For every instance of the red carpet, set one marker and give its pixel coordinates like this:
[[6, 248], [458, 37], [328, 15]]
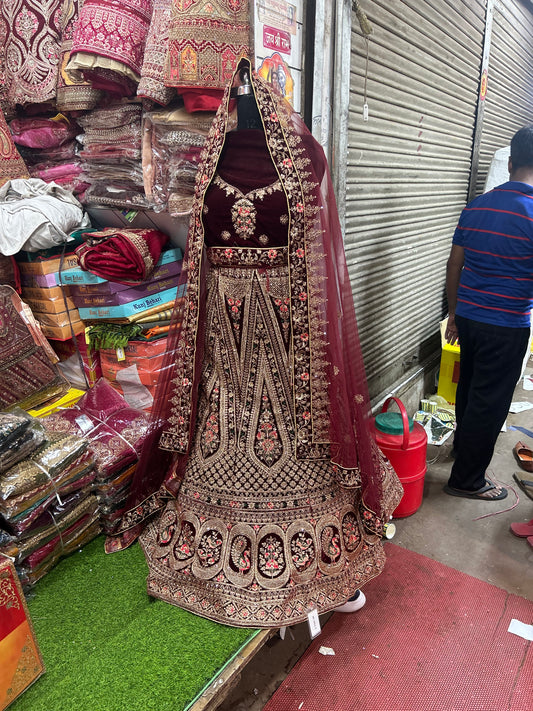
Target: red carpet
[[429, 639]]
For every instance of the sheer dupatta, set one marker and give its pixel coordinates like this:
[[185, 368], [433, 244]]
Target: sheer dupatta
[[331, 406]]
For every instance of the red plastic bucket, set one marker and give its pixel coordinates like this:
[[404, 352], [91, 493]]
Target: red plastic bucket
[[404, 443]]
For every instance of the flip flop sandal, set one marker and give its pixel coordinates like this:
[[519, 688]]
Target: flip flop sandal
[[478, 493], [526, 486], [524, 456]]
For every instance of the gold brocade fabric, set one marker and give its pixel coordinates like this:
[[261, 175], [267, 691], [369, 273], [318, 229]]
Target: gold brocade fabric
[[206, 40], [255, 536]]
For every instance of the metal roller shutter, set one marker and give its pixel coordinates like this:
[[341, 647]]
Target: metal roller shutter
[[408, 171], [509, 99]]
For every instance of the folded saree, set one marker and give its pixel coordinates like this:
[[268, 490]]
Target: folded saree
[[122, 255], [115, 431], [22, 446], [39, 132], [22, 524], [36, 565], [57, 525]]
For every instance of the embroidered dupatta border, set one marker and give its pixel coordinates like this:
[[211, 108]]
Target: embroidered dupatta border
[[308, 347]]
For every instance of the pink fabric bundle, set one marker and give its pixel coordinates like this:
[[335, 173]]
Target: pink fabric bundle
[[114, 430], [42, 132], [114, 35]]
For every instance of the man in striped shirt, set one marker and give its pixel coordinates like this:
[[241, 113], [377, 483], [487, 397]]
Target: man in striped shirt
[[489, 285]]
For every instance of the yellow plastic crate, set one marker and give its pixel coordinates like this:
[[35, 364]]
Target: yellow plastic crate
[[449, 372]]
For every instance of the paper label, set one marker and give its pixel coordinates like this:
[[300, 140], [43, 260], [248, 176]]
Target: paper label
[[314, 623], [84, 423]]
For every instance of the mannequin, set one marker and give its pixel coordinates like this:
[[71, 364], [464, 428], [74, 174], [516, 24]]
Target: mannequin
[[247, 112]]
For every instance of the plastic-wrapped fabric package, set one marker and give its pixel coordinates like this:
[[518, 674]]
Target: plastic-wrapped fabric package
[[115, 432], [41, 561], [47, 501], [20, 436], [172, 143], [111, 156], [21, 548], [20, 524]]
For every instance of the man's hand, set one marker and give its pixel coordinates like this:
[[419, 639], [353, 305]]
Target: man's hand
[[451, 334]]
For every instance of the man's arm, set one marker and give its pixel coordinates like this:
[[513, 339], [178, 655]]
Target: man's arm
[[454, 267]]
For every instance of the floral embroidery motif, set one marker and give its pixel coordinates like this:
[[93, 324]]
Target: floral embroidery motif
[[244, 216], [184, 547], [302, 551], [210, 548], [271, 557], [350, 532], [268, 447], [210, 441]]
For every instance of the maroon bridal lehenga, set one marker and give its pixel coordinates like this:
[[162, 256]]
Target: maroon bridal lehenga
[[273, 496]]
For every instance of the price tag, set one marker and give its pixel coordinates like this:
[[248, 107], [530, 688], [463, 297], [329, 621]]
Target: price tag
[[120, 354], [314, 623]]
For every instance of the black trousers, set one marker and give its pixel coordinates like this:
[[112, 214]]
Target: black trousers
[[491, 363]]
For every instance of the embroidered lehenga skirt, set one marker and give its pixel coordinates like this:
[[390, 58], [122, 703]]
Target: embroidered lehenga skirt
[[256, 537]]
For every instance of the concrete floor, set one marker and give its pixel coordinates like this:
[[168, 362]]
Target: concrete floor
[[443, 529]]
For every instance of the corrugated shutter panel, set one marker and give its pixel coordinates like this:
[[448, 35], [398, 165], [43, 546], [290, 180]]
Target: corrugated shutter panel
[[408, 171], [509, 99]]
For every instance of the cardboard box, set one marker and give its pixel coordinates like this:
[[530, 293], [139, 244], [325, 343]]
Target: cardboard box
[[41, 293], [123, 312], [61, 319], [41, 281], [62, 333], [125, 296], [164, 271], [48, 265], [131, 373], [22, 663], [137, 349], [111, 361], [55, 305]]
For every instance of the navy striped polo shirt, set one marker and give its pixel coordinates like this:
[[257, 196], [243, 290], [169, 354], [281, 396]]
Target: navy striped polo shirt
[[496, 232]]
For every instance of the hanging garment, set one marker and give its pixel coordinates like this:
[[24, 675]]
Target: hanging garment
[[206, 41], [275, 494], [74, 93], [28, 374], [31, 50], [152, 84], [108, 44]]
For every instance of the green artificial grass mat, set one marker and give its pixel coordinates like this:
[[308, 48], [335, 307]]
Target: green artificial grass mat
[[108, 646]]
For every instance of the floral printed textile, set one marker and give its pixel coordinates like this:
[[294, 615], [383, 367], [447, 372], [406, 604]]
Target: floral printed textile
[[206, 40], [113, 31], [31, 50]]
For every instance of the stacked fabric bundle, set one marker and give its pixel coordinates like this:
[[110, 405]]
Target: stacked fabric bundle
[[47, 508], [111, 156], [172, 143], [50, 150], [115, 433]]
